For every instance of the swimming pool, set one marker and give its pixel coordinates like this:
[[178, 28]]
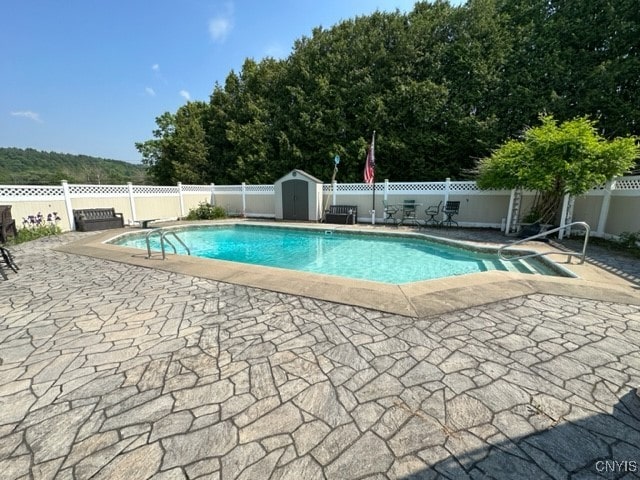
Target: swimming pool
[[385, 258]]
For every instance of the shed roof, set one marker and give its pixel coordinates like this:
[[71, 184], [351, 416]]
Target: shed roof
[[297, 173]]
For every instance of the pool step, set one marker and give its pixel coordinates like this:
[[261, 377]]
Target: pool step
[[525, 267], [519, 266]]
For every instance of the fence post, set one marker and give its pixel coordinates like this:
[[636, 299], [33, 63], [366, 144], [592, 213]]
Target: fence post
[[181, 199], [213, 195], [447, 187], [334, 189], [507, 228], [563, 217], [386, 189], [67, 204], [132, 202], [244, 199], [604, 208]]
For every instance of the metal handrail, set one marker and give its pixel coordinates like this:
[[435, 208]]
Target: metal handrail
[[550, 252], [163, 239], [147, 237]]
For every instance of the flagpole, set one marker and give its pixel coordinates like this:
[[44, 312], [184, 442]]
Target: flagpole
[[373, 203]]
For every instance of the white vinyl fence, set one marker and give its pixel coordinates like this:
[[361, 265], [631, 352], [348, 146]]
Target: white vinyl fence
[[609, 210]]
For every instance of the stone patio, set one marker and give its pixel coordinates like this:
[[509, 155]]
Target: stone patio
[[110, 370]]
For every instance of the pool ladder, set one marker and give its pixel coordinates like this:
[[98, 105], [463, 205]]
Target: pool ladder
[[163, 239], [580, 255]]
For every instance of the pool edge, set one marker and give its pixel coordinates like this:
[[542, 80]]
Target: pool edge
[[419, 299]]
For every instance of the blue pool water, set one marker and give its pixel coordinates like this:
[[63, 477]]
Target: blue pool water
[[381, 258]]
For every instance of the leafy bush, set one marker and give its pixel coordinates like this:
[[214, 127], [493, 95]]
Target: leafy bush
[[206, 211]]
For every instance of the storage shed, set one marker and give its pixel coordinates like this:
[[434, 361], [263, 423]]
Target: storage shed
[[298, 196]]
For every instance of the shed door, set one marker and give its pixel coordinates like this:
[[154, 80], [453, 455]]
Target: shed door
[[295, 200]]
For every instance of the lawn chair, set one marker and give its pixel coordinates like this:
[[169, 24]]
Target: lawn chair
[[432, 211], [389, 212], [450, 209]]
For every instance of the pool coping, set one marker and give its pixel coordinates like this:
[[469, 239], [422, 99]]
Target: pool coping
[[418, 299]]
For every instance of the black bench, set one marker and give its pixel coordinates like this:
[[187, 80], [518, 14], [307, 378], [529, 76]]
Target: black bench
[[342, 214], [91, 219]]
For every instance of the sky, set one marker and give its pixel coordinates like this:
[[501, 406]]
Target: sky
[[90, 76]]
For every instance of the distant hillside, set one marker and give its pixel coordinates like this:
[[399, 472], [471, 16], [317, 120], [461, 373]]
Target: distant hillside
[[32, 167]]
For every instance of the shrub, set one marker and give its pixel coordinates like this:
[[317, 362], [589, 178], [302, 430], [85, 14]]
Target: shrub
[[36, 226], [206, 211]]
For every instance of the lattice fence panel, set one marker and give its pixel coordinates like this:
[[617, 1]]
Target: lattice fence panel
[[228, 189], [352, 187], [155, 190], [31, 192], [628, 183], [463, 187], [259, 189], [98, 190], [414, 187], [196, 188]]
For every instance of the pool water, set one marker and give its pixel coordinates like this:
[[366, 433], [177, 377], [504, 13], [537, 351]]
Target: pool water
[[381, 258]]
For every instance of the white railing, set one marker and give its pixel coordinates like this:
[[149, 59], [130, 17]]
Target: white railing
[[581, 255]]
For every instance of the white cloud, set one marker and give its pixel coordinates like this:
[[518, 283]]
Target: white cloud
[[155, 67], [28, 114], [219, 28], [221, 25], [185, 95], [150, 91]]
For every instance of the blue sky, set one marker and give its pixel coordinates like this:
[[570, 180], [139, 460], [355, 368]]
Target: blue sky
[[90, 76]]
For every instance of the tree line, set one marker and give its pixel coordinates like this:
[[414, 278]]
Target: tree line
[[33, 167], [443, 86]]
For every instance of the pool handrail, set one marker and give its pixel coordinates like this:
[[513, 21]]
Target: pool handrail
[[569, 254], [163, 234]]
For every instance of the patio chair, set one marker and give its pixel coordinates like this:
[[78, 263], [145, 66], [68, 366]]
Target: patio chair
[[409, 212], [432, 211], [5, 256], [389, 212], [450, 209]]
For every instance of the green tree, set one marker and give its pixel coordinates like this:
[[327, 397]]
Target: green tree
[[555, 160], [178, 153], [441, 85], [156, 153], [33, 167], [572, 58]]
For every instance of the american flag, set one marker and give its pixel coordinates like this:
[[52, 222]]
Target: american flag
[[370, 165]]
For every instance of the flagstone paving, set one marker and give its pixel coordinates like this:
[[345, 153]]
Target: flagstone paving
[[112, 371]]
